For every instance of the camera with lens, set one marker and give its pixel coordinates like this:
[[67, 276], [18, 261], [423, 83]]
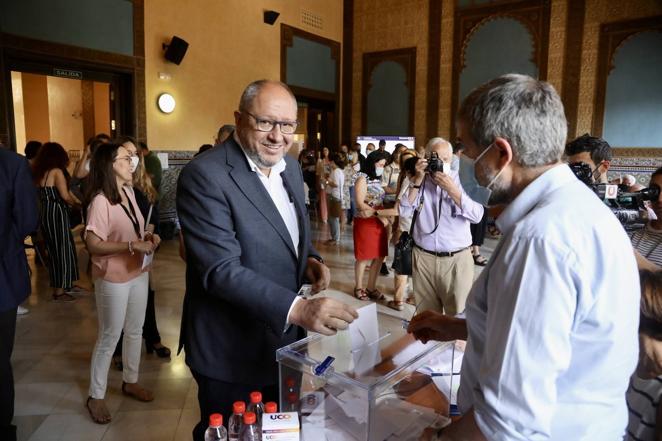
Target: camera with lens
[[628, 207], [434, 164]]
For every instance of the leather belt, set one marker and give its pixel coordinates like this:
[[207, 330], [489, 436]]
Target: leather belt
[[442, 253]]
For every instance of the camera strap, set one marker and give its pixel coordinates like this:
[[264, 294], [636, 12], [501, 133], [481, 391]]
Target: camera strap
[[131, 215], [438, 217]]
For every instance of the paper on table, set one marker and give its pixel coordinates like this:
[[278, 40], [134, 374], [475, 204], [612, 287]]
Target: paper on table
[[147, 260]]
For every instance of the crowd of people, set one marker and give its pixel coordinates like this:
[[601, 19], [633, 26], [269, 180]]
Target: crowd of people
[[555, 323]]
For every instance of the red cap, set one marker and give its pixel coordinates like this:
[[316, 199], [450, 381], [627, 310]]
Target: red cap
[[271, 407], [292, 397], [256, 397], [289, 382], [249, 418], [215, 420], [239, 407]]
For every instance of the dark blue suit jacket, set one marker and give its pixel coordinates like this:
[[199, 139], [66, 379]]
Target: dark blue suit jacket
[[18, 218], [242, 271]]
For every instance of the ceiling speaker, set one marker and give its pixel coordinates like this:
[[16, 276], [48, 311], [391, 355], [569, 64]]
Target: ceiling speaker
[[176, 50]]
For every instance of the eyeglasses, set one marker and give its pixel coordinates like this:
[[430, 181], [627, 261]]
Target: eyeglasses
[[265, 125], [123, 158]]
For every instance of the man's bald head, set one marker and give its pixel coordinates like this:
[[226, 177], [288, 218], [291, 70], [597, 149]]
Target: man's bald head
[[256, 87], [441, 147]]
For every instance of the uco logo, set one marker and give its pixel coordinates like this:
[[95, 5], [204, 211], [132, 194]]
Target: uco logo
[[280, 416]]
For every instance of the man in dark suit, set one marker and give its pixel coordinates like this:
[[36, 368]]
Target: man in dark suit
[[18, 211], [248, 248]]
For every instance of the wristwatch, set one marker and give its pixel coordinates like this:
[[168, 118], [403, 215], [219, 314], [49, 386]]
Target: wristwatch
[[414, 186]]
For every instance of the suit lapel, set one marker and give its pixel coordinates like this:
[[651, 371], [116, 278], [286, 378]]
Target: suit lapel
[[249, 184], [292, 177]]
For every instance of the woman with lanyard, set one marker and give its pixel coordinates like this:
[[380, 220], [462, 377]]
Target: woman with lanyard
[[147, 199], [115, 238]]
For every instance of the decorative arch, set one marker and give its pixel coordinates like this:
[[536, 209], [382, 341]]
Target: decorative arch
[[533, 14], [404, 57], [612, 37]]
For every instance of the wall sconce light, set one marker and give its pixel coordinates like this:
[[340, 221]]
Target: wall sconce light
[[166, 103]]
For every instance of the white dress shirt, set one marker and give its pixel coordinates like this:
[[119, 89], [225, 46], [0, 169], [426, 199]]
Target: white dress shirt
[[278, 193], [553, 319]]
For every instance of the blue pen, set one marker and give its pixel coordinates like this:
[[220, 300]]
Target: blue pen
[[323, 366]]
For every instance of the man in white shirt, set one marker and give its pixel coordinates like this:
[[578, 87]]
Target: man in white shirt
[[552, 320]]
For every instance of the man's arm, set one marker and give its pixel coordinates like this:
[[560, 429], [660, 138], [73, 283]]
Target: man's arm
[[25, 213], [465, 429]]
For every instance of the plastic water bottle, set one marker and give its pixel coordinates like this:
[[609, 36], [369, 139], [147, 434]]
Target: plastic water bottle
[[270, 407], [216, 431], [250, 431], [256, 406], [236, 420]]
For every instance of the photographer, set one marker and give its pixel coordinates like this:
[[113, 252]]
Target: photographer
[[443, 268], [593, 151], [647, 242]]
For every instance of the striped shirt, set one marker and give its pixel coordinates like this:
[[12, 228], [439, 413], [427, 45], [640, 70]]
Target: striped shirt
[[643, 398], [648, 241]]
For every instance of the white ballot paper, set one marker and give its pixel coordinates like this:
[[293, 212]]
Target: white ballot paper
[[147, 260], [364, 337]]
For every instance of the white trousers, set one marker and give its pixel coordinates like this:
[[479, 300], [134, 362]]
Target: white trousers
[[119, 306]]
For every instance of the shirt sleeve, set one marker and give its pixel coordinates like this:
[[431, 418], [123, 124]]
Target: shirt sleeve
[[98, 217], [528, 343], [469, 209], [407, 208]]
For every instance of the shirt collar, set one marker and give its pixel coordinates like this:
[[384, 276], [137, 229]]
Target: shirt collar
[[279, 167], [551, 180]]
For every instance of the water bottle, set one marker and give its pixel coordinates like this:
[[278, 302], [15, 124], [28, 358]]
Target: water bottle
[[250, 431], [236, 420], [256, 407], [216, 431], [270, 407]]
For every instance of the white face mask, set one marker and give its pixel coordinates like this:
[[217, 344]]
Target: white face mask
[[134, 163], [473, 162], [350, 156], [379, 171]]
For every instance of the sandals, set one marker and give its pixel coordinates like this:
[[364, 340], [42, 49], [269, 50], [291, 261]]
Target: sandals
[[398, 305], [479, 260], [374, 294], [63, 298], [102, 417], [360, 294], [140, 394]]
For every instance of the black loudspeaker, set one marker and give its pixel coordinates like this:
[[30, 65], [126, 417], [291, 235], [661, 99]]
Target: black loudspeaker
[[270, 17], [176, 50]]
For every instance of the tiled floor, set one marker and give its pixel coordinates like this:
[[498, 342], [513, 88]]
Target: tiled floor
[[54, 343]]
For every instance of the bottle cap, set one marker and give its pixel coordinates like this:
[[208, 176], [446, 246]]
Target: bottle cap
[[289, 382], [215, 420], [292, 397], [271, 407], [256, 397], [249, 418], [239, 407]]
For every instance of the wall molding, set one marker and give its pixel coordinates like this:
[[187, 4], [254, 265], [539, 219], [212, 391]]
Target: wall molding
[[612, 36], [406, 57], [533, 14], [434, 68]]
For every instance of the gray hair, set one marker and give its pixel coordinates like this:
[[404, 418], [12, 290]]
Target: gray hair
[[525, 111], [253, 89], [437, 140]]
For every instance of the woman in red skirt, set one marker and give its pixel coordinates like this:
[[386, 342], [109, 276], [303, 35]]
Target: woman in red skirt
[[370, 225]]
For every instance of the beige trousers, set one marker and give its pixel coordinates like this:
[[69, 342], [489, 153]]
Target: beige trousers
[[442, 284]]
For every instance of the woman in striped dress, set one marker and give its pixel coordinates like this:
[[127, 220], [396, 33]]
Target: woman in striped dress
[[50, 175]]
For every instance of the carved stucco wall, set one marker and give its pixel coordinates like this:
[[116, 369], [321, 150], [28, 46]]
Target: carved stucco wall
[[384, 25], [446, 70], [557, 32], [597, 13]]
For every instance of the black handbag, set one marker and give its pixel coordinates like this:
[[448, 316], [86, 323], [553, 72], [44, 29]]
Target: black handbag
[[402, 256]]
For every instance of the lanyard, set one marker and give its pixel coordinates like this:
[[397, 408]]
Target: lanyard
[[132, 215]]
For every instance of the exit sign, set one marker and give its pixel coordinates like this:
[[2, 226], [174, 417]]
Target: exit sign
[[66, 73]]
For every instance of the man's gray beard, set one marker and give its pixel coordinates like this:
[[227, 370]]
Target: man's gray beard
[[257, 159]]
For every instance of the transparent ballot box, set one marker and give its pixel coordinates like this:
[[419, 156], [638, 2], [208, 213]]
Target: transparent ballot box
[[386, 387]]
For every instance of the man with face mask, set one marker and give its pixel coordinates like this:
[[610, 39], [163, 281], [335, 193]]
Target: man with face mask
[[442, 266], [552, 320]]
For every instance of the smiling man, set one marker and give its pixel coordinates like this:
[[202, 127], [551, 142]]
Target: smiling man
[[248, 248]]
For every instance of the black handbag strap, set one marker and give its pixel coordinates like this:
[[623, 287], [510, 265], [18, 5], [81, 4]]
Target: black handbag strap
[[418, 208]]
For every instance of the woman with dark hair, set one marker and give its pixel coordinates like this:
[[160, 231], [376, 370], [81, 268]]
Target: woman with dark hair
[[115, 237], [49, 171], [370, 223], [147, 199]]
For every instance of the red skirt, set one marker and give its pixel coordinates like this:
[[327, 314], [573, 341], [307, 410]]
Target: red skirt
[[370, 238]]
